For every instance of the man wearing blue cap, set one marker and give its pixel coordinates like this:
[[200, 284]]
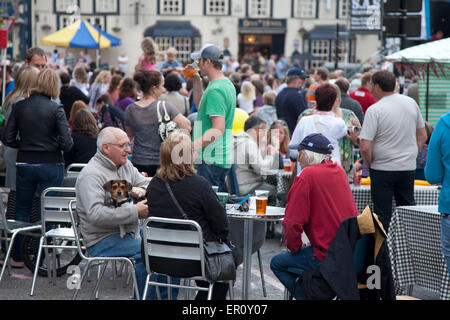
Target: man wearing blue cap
[[289, 102], [318, 201], [213, 140]]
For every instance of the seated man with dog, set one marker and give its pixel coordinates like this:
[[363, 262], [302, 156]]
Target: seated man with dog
[[319, 200], [108, 216]]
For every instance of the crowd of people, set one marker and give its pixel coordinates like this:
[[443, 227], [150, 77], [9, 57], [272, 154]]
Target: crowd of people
[[244, 118]]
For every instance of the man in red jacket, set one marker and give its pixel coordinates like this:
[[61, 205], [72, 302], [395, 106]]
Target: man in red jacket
[[363, 94], [319, 200]]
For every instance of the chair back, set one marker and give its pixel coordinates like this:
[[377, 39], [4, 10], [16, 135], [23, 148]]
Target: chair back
[[74, 169], [55, 205], [172, 242], [75, 219]]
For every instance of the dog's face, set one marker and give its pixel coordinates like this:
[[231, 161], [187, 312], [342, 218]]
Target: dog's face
[[118, 189]]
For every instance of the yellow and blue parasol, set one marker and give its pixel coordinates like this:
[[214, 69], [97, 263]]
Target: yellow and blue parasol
[[81, 34]]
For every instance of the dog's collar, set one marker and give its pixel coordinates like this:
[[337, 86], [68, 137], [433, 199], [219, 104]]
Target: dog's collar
[[121, 202]]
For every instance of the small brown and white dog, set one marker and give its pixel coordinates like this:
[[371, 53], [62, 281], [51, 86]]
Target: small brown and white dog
[[119, 191]]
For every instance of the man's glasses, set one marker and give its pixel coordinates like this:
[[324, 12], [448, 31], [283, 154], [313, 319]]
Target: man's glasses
[[122, 146]]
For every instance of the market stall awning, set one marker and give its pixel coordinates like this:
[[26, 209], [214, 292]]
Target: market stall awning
[[328, 32], [182, 29], [435, 51], [81, 34]]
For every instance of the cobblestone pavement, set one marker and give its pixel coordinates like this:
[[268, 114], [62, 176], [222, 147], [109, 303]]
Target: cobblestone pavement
[[17, 285]]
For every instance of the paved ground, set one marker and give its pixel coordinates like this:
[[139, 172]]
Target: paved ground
[[17, 286]]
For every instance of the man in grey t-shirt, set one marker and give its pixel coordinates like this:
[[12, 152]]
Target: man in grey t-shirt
[[392, 134]]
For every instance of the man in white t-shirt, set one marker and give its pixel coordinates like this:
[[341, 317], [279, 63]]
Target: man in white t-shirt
[[122, 62], [392, 134], [322, 121]]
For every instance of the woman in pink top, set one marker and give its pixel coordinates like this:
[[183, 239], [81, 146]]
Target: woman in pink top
[[147, 61]]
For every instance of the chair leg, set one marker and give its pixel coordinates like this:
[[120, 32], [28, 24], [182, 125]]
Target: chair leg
[[169, 289], [83, 276], [36, 268], [147, 279], [262, 274], [8, 253], [210, 290], [97, 284], [114, 273]]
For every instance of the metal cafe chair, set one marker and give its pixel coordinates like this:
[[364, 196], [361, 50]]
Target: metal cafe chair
[[166, 247], [56, 233], [74, 169], [9, 229], [95, 261]]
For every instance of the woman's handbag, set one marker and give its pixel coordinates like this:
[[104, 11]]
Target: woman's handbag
[[166, 126], [219, 260]]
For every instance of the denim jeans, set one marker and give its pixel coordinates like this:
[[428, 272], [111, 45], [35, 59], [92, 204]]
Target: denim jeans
[[445, 239], [214, 174], [128, 246], [384, 185], [288, 266], [29, 178]]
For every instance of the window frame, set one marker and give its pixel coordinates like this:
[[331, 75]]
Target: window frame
[[227, 11], [248, 10], [161, 7], [295, 4]]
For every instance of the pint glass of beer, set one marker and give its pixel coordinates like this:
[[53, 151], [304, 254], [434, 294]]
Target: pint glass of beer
[[261, 201], [287, 165], [190, 71]]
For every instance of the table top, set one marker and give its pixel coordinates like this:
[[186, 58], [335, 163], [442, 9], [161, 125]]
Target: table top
[[426, 209], [416, 188], [271, 213]]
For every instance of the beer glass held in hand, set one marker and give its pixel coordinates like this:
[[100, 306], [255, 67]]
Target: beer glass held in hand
[[190, 70]]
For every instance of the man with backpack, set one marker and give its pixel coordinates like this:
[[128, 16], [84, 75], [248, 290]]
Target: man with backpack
[[109, 115]]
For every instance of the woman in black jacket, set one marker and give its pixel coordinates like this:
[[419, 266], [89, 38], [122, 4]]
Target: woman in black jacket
[[195, 196], [38, 128]]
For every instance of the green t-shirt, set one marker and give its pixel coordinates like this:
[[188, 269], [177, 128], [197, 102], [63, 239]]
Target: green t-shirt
[[219, 99]]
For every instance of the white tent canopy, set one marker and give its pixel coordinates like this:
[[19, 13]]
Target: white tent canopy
[[436, 51]]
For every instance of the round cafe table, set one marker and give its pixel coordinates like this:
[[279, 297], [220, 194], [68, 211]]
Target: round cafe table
[[272, 214]]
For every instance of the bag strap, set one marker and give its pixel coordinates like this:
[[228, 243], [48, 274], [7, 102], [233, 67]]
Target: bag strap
[[318, 125], [166, 115], [175, 201], [157, 112]]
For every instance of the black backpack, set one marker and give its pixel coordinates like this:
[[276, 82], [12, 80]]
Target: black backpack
[[108, 120]]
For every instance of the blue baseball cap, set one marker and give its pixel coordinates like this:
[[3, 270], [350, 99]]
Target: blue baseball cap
[[315, 142], [297, 72]]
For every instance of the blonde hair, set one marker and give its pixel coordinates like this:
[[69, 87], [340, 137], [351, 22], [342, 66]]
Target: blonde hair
[[25, 80], [80, 75], [248, 91], [269, 97], [47, 83], [172, 51], [284, 146], [176, 157], [102, 76], [149, 47]]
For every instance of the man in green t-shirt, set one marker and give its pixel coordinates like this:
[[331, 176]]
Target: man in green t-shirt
[[213, 140]]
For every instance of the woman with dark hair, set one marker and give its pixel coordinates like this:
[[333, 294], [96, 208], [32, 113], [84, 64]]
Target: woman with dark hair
[[77, 105], [38, 127], [84, 135], [127, 93], [196, 198], [113, 89], [323, 121], [259, 91], [173, 86], [141, 121]]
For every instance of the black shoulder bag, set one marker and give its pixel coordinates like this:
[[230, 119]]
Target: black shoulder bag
[[219, 260]]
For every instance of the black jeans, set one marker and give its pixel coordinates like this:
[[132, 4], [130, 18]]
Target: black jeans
[[384, 185]]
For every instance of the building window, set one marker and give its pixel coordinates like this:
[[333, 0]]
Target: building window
[[64, 5], [342, 50], [65, 20], [106, 6], [217, 7], [321, 50], [345, 8], [183, 46], [259, 8], [171, 7], [305, 8], [163, 44]]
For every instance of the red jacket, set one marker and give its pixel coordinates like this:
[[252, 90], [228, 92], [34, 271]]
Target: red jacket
[[364, 97], [318, 201]]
